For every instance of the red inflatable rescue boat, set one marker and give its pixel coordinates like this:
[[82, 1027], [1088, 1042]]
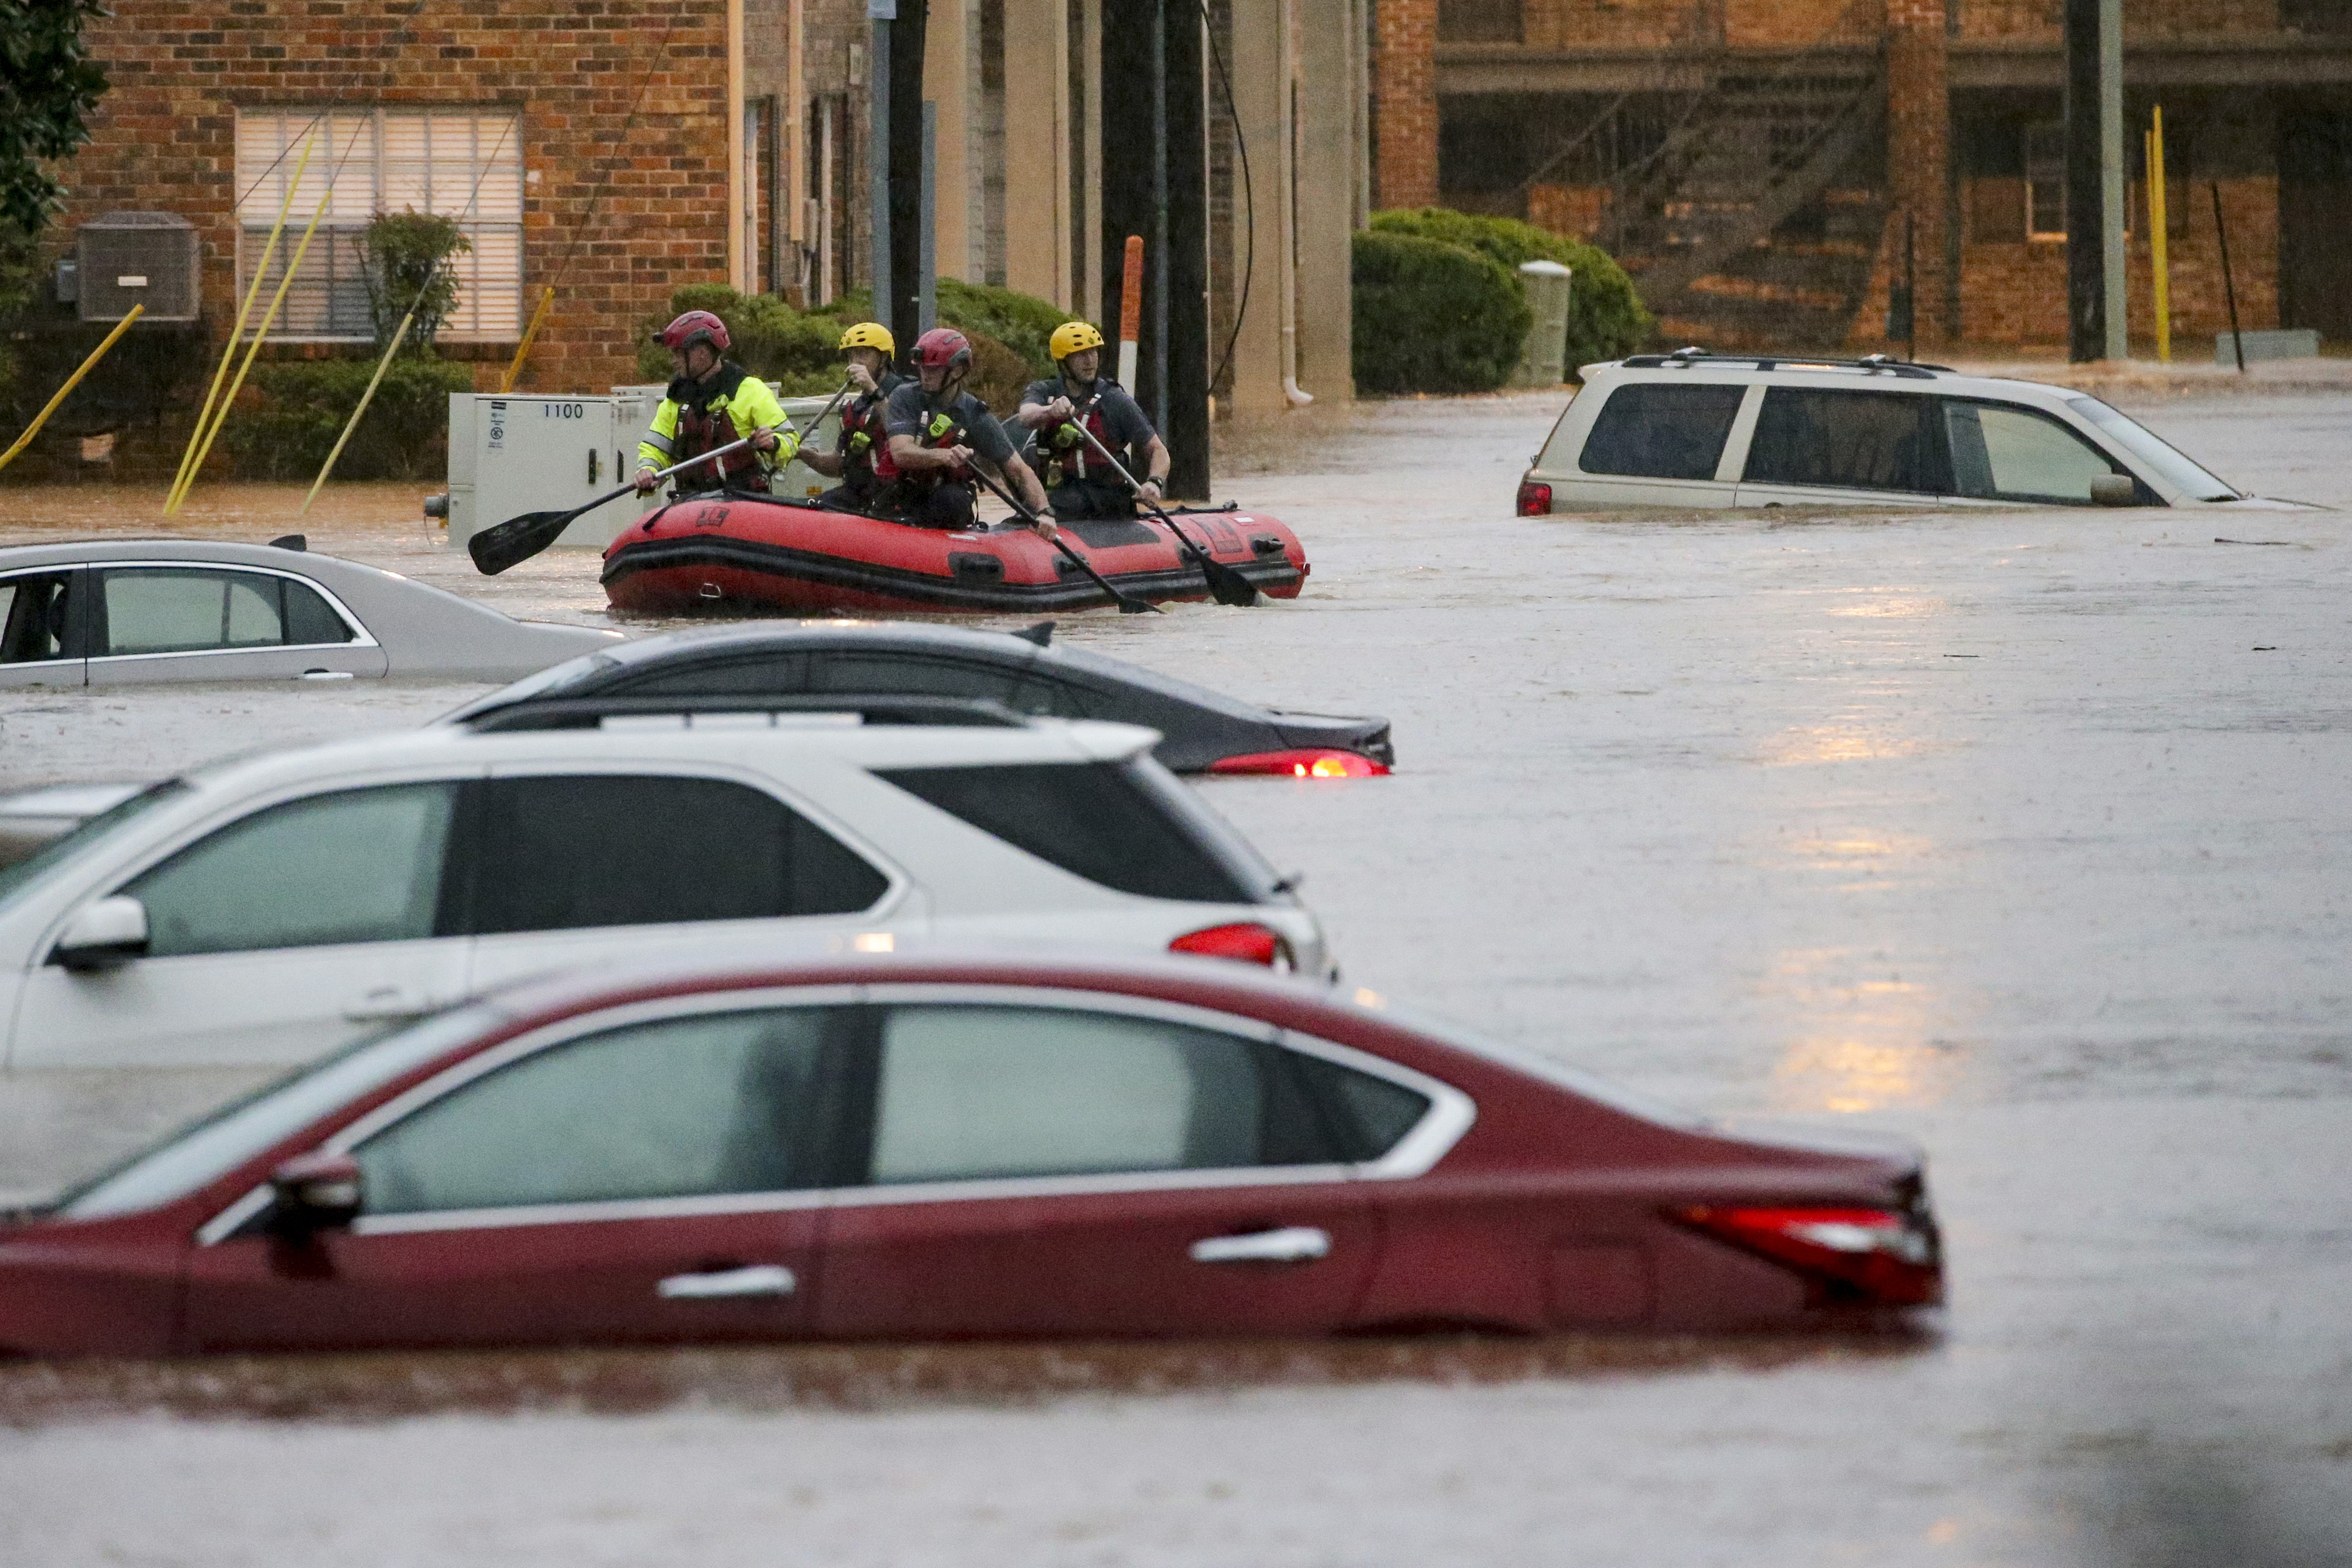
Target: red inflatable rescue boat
[[715, 551]]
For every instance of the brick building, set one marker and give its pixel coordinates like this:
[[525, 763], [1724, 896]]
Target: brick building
[[1760, 162]]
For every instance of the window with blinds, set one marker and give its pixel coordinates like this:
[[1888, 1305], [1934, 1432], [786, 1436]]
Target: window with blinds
[[462, 164]]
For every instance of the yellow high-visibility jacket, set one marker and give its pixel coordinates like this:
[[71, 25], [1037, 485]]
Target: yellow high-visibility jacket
[[698, 416]]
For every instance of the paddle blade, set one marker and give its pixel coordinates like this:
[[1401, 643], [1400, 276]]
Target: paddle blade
[[1227, 585], [516, 540]]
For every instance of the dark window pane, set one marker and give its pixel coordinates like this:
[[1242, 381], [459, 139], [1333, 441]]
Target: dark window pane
[[1057, 698], [1367, 1115], [1848, 440], [360, 865], [1479, 21], [771, 675], [561, 852], [972, 1093], [1092, 819], [912, 675], [32, 617], [308, 617], [681, 1108], [1662, 432]]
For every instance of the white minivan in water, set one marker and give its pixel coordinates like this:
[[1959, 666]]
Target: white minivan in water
[[1694, 429]]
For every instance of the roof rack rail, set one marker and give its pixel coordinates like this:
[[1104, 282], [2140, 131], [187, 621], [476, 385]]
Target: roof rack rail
[[590, 713], [1886, 364]]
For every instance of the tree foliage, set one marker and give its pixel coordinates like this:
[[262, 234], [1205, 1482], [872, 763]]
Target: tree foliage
[[1605, 317], [408, 268], [1434, 317], [49, 86]]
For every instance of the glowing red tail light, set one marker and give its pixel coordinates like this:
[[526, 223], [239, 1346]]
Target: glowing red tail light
[[1867, 1257], [1535, 499], [1245, 940], [1308, 762]]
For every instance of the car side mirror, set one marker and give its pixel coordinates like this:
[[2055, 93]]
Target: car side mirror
[[103, 935], [313, 1192], [2114, 490]]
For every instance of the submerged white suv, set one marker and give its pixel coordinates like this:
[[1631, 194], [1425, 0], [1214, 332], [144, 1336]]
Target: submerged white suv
[[262, 912], [1694, 429]]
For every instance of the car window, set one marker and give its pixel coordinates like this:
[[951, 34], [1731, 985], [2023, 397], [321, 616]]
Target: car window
[[1658, 431], [2000, 452], [769, 674], [2153, 450], [914, 675], [972, 1093], [1093, 819], [1846, 439], [680, 1108], [186, 610], [358, 865], [33, 610], [1053, 697], [564, 851], [82, 836], [1367, 1115]]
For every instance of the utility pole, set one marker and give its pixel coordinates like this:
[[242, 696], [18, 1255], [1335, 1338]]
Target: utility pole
[[879, 14], [2095, 182], [895, 165]]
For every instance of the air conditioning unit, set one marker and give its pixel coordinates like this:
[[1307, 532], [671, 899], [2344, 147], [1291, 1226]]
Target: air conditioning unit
[[137, 258]]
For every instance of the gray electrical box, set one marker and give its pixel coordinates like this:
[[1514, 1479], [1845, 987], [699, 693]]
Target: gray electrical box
[[122, 259], [515, 453]]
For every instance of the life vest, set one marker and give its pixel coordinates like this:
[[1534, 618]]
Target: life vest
[[1070, 456], [701, 428], [940, 428], [864, 445]]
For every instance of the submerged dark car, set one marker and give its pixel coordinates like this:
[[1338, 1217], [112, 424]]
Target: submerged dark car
[[1203, 731]]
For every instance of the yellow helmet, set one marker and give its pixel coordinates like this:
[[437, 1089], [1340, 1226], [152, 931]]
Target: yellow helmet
[[869, 335], [1072, 337]]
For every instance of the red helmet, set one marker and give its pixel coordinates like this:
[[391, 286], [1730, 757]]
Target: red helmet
[[695, 326], [943, 348]]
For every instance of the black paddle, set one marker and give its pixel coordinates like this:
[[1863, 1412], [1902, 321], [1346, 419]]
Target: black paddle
[[1127, 606], [1226, 585], [518, 540]]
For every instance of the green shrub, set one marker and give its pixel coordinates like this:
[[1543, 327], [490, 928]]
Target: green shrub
[[1605, 318], [1020, 322], [1432, 316], [407, 277], [288, 417]]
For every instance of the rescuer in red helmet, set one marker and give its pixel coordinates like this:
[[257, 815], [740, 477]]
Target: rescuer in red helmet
[[937, 433], [712, 403]]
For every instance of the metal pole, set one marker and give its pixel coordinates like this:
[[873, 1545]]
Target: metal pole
[[2086, 322], [2159, 238], [1911, 284], [2111, 178], [2229, 287], [1156, 283], [877, 154], [927, 310]]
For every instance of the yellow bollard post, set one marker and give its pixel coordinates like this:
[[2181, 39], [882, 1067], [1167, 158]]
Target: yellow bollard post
[[366, 397], [522, 350], [203, 415], [72, 382], [295, 265], [2160, 253]]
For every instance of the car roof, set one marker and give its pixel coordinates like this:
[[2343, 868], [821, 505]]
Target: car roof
[[771, 635], [1877, 373], [837, 736]]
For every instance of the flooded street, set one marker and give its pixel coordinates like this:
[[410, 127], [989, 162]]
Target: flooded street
[[2024, 834]]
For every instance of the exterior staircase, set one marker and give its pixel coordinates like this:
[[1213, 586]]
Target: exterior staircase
[[1755, 218]]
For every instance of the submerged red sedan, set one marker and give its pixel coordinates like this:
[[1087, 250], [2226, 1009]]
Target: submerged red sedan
[[927, 1148]]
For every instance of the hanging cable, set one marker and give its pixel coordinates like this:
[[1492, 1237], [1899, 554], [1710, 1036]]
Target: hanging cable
[[1249, 198]]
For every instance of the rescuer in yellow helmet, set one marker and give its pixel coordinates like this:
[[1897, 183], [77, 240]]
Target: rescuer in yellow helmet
[[868, 347], [1079, 480]]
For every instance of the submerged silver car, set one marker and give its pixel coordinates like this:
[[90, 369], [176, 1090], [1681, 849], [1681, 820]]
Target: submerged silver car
[[122, 610]]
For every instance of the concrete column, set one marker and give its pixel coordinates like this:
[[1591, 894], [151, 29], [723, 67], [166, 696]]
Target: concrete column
[[1261, 69], [1326, 101], [1919, 151], [947, 83], [1404, 102], [1037, 149]]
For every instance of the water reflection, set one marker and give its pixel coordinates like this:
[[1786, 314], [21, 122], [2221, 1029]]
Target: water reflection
[[1863, 1043], [1847, 742]]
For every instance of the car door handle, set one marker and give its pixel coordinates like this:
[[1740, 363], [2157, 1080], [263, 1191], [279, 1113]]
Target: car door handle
[[387, 1002], [758, 1279], [1291, 1244]]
